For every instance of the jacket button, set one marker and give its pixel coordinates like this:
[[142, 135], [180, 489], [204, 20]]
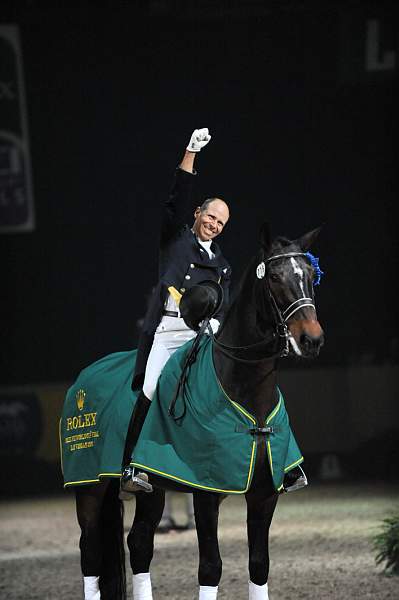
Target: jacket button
[[192, 266], [182, 290], [187, 277]]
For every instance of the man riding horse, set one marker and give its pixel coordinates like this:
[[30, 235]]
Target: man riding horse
[[188, 256], [183, 443]]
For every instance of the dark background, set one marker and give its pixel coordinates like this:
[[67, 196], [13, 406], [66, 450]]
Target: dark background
[[301, 135]]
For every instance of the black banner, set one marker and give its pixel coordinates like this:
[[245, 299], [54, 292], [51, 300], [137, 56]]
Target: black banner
[[369, 47], [16, 196]]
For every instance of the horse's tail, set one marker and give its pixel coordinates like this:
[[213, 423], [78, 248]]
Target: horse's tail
[[113, 572]]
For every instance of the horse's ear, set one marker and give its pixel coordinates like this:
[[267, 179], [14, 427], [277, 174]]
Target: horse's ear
[[265, 237], [305, 242]]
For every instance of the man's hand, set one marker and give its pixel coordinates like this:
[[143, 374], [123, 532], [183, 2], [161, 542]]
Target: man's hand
[[199, 139], [214, 325]]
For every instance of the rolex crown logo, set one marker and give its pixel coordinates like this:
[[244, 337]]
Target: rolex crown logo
[[80, 398]]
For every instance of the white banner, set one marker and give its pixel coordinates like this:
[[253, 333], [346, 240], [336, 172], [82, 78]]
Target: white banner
[[16, 193]]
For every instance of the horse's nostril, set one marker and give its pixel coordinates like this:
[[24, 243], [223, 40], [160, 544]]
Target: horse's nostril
[[305, 341], [311, 344]]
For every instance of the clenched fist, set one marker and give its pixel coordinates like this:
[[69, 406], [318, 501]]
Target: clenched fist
[[199, 139]]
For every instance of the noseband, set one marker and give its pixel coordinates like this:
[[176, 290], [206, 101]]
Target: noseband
[[281, 332]]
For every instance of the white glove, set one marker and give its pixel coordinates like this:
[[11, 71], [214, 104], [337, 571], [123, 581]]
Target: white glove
[[215, 324], [199, 139]]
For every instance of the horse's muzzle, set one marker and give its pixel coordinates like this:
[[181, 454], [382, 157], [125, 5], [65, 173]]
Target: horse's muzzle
[[308, 335], [310, 345]]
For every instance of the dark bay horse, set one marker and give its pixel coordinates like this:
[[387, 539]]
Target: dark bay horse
[[272, 315]]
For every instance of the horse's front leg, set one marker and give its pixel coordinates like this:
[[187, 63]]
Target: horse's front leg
[[206, 510], [260, 511], [140, 540]]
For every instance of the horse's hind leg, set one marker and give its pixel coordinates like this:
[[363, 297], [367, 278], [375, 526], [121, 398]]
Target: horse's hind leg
[[259, 517], [206, 509], [140, 540], [89, 501], [100, 516]]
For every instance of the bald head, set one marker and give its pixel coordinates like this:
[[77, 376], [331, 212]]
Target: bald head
[[210, 218]]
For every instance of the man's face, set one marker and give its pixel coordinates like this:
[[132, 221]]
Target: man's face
[[210, 222]]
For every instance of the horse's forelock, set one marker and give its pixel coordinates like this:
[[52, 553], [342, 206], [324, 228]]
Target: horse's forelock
[[281, 244], [278, 246]]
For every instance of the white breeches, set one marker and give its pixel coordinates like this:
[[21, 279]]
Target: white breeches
[[171, 333]]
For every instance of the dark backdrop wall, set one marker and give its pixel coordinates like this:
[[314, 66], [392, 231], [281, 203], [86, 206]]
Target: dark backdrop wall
[[302, 134]]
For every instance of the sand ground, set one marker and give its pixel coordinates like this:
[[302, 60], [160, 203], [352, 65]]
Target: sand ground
[[320, 547]]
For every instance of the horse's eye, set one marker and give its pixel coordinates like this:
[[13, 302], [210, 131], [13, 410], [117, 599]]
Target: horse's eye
[[274, 277]]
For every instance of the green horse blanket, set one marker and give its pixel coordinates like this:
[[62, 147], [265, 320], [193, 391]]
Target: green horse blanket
[[210, 447]]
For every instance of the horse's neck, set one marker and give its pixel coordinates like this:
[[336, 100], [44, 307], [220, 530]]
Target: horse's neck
[[241, 327], [252, 384]]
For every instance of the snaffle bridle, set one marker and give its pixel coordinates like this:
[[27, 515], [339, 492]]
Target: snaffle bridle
[[280, 332]]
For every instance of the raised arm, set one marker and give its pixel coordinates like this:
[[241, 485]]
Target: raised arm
[[177, 208], [187, 164], [199, 139]]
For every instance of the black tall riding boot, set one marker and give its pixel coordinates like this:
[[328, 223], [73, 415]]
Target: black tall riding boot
[[132, 482]]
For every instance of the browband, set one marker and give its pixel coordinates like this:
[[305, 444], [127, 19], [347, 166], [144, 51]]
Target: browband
[[287, 255]]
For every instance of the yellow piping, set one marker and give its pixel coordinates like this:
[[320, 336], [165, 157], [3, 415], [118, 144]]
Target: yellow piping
[[270, 456], [294, 464], [269, 418], [275, 410], [92, 480], [237, 406], [197, 485], [59, 438]]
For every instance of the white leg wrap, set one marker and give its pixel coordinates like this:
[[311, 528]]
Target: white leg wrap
[[257, 592], [142, 586], [91, 588], [208, 592]]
